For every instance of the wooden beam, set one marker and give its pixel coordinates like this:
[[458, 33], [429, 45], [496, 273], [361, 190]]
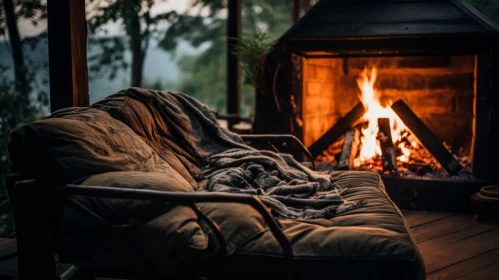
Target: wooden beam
[[233, 67], [426, 137], [338, 129], [494, 112], [67, 35], [481, 144], [388, 161]]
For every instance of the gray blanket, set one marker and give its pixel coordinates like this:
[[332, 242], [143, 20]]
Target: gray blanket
[[290, 189]]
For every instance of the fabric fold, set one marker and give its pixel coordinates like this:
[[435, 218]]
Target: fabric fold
[[221, 158]]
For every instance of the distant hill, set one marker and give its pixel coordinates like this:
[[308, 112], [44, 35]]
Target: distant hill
[[159, 66]]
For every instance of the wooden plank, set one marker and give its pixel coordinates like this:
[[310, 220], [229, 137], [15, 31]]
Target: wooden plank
[[233, 65], [438, 243], [389, 161], [468, 267], [417, 218], [426, 137], [490, 272], [462, 250], [67, 39], [338, 129], [349, 149], [441, 227]]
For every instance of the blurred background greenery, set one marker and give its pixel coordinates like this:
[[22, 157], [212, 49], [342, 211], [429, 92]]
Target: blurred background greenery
[[177, 45]]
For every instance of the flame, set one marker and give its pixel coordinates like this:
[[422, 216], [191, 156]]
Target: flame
[[370, 98], [405, 152]]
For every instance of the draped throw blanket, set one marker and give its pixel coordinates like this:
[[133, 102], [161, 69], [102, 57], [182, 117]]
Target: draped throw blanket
[[287, 187], [290, 189]]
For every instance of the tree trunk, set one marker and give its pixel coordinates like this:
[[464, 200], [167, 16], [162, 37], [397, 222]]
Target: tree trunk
[[138, 54], [137, 61], [16, 47]]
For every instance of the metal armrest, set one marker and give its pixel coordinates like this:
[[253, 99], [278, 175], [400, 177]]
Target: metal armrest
[[189, 199], [233, 117], [272, 138]]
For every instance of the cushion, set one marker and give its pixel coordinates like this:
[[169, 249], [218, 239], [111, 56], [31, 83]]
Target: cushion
[[126, 211], [145, 120], [142, 231], [78, 142], [371, 242]]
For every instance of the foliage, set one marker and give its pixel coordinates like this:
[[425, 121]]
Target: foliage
[[15, 110], [205, 74], [32, 10], [21, 101], [139, 24], [252, 51]]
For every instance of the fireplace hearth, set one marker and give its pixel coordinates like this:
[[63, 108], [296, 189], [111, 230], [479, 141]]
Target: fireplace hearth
[[407, 89], [395, 148]]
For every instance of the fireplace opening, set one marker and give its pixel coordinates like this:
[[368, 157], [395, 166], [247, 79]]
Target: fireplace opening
[[439, 90], [433, 65]]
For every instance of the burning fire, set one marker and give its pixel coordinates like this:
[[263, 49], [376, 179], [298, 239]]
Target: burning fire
[[370, 147]]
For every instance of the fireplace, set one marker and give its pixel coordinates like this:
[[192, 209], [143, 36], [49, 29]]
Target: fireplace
[[438, 89], [407, 89]]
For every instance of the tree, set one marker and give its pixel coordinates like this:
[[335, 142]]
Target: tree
[[15, 45], [33, 10], [206, 73], [19, 102], [139, 25]]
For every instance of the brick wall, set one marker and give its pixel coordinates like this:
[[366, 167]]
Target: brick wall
[[440, 90]]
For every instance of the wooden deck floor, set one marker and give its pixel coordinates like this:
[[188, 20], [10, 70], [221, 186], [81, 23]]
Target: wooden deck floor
[[454, 246]]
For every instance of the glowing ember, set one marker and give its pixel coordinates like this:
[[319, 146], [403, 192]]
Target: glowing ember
[[370, 147]]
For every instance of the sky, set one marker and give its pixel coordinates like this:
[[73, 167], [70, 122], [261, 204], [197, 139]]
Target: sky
[[180, 6], [159, 65]]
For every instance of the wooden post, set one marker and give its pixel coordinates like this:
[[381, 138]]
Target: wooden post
[[338, 129], [349, 149], [67, 36], [426, 137], [233, 68], [481, 144], [388, 161], [493, 177]]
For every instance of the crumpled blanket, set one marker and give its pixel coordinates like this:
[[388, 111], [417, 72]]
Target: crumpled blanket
[[290, 189]]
